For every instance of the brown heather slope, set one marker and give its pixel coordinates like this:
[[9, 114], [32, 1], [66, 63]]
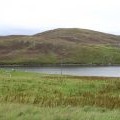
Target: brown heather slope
[[81, 36], [72, 45]]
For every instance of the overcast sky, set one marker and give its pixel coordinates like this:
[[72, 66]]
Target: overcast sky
[[32, 16]]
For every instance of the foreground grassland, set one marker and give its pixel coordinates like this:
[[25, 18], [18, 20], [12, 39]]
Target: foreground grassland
[[33, 96], [32, 112]]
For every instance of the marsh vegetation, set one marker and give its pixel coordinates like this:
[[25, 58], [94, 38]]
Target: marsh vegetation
[[60, 97]]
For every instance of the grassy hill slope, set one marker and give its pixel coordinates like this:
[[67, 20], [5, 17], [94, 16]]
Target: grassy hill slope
[[78, 46]]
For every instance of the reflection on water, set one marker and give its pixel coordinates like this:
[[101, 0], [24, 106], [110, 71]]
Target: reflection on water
[[111, 71]]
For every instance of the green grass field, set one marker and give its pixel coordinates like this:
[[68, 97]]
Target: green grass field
[[34, 96]]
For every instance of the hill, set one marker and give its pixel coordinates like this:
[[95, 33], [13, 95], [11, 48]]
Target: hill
[[69, 45]]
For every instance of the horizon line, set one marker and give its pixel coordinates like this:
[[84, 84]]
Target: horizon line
[[31, 32]]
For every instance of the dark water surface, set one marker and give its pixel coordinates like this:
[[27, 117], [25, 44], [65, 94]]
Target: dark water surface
[[108, 71]]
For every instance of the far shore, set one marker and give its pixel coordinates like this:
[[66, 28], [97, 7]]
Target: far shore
[[57, 65]]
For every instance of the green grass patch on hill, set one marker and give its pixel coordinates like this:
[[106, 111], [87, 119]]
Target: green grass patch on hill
[[74, 54]]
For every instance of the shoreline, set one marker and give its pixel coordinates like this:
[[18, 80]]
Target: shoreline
[[59, 65]]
